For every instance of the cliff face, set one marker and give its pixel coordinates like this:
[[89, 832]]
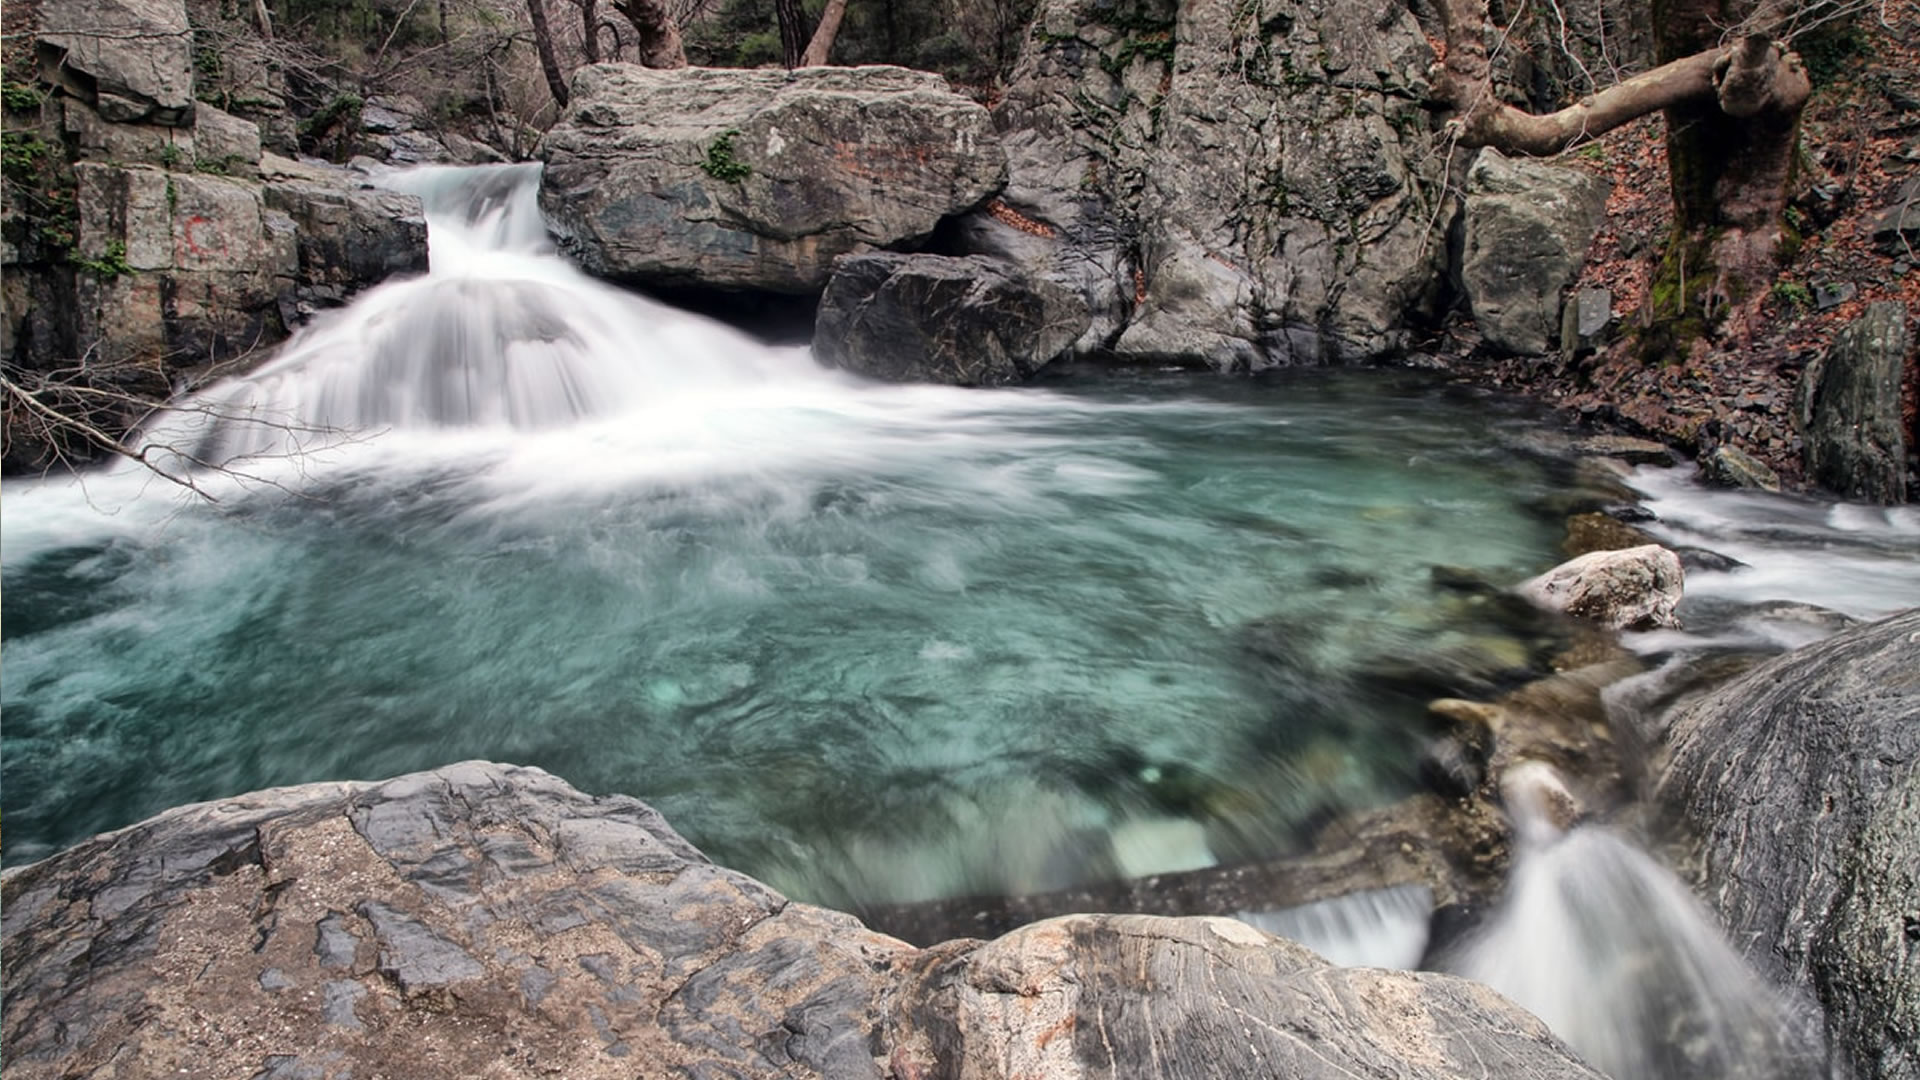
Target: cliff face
[[488, 920]]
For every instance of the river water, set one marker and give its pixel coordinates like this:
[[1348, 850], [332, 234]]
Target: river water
[[867, 643]]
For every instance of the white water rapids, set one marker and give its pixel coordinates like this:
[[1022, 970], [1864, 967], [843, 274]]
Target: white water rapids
[[865, 642]]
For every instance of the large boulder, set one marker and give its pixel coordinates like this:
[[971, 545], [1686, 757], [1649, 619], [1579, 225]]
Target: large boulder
[[931, 318], [1526, 229], [131, 61], [1848, 408], [348, 235], [758, 179], [1634, 588], [487, 920], [1245, 184], [1802, 782]]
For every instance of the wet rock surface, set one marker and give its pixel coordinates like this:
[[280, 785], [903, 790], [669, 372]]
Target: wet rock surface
[[929, 318], [1801, 781], [1849, 408], [489, 920], [1634, 588], [758, 179]]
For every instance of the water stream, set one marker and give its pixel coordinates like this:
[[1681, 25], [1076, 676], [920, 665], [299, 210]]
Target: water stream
[[868, 643]]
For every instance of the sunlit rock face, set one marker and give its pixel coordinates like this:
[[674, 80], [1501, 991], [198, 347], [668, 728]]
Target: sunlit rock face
[[758, 179]]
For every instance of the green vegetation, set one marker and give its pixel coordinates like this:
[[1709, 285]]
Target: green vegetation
[[111, 264], [721, 164], [18, 97], [170, 155], [1833, 51], [1792, 296]]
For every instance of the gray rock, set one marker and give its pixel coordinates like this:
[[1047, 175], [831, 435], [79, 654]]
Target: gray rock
[[1828, 297], [202, 267], [930, 318], [1626, 589], [1802, 782], [225, 143], [1585, 322], [1730, 466], [1527, 225], [351, 237], [1240, 184], [1627, 448], [677, 967], [758, 179], [1848, 408], [1897, 229], [131, 60]]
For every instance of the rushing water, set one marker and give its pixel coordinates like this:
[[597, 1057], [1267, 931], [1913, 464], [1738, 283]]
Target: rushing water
[[1607, 946], [868, 643]]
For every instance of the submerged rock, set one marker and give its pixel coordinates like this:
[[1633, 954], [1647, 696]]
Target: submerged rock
[[1628, 589], [758, 179], [929, 318], [1527, 228], [1802, 781], [486, 920]]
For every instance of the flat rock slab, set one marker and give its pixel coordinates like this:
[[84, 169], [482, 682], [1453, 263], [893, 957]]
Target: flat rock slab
[[758, 179], [489, 920]]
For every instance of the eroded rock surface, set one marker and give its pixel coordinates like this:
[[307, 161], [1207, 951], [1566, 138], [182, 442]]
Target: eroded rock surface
[[1802, 781], [488, 920], [1526, 231], [1849, 408], [1250, 184], [758, 179], [931, 318]]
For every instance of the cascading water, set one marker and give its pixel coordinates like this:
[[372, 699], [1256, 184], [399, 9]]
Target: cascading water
[[868, 643], [1607, 946]]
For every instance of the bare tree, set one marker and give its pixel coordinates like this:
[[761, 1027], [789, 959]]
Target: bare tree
[[823, 35], [1732, 97], [543, 44], [658, 32], [793, 31]]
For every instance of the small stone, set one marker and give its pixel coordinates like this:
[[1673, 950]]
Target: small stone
[[1634, 589], [1730, 466], [1827, 297], [1627, 448]]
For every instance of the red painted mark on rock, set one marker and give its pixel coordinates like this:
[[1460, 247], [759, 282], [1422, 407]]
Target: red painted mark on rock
[[216, 246]]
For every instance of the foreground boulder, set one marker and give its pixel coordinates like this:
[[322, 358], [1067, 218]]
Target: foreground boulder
[[1527, 226], [1634, 588], [488, 920], [758, 179], [1802, 782], [1848, 408], [930, 318]]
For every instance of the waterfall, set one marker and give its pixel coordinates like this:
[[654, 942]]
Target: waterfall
[[1372, 928], [501, 332], [1607, 946]]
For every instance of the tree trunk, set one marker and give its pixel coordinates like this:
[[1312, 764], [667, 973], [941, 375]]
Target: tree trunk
[[823, 36], [590, 30], [658, 35], [793, 31], [1729, 162], [543, 44], [1733, 117]]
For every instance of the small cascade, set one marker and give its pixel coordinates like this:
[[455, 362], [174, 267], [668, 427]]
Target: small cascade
[[1607, 946], [501, 333], [1374, 928]]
